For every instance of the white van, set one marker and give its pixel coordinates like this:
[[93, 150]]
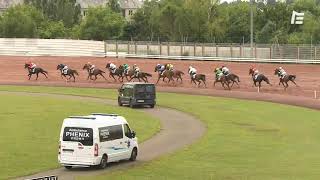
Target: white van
[[96, 140]]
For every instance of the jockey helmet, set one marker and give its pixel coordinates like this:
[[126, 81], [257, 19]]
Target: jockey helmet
[[190, 67], [280, 68], [89, 63], [223, 66]]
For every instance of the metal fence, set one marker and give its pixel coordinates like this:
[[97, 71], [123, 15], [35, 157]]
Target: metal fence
[[170, 50], [206, 51]]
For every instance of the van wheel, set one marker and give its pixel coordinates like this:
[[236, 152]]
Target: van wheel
[[68, 167], [119, 102], [134, 154], [103, 163], [152, 105]]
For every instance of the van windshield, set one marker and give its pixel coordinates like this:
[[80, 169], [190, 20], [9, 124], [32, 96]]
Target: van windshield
[[145, 88], [76, 134]]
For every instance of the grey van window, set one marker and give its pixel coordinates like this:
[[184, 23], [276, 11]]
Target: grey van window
[[110, 133], [127, 92], [145, 88], [127, 131], [77, 134]]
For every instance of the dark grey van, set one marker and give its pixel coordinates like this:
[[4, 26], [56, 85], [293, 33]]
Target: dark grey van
[[136, 93]]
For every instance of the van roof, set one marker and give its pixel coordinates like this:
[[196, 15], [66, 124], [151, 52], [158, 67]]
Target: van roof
[[94, 120], [134, 83]]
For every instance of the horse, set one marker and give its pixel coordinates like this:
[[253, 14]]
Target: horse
[[175, 74], [118, 72], [141, 75], [70, 72], [95, 72], [165, 74], [284, 80], [35, 71], [199, 78], [258, 78], [224, 80]]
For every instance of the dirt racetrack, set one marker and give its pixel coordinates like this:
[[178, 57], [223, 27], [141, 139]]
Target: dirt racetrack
[[307, 77]]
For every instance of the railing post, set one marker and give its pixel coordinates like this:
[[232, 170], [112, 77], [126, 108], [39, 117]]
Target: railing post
[[271, 52], [117, 49], [160, 48], [202, 50], [231, 53], [240, 50], [168, 50], [255, 51], [298, 54], [315, 52], [181, 49], [217, 51], [148, 48], [105, 48], [135, 48], [194, 49], [128, 47]]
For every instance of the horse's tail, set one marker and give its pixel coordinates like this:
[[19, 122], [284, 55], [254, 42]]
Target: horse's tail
[[147, 74], [44, 71], [102, 71], [267, 80], [237, 77], [182, 73], [292, 77], [75, 72], [203, 77]]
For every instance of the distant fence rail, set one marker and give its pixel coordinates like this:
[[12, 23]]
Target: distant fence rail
[[170, 50]]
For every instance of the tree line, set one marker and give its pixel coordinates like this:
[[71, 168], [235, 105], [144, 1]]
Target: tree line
[[207, 21]]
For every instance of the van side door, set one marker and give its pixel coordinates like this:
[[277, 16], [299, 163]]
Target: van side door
[[111, 142], [127, 145]]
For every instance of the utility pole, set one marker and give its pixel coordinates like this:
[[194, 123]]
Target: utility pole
[[251, 27]]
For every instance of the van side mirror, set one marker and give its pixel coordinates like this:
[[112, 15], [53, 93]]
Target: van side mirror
[[133, 134]]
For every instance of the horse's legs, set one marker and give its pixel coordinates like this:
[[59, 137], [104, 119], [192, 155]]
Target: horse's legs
[[29, 76], [37, 76], [158, 79], [204, 82], [294, 82], [102, 76], [113, 77]]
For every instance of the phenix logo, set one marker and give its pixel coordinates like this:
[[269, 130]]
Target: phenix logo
[[297, 18]]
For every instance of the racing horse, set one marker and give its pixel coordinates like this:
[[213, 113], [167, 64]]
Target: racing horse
[[36, 71], [199, 78], [224, 80], [141, 75], [175, 74], [258, 78], [94, 73], [285, 79], [165, 74], [118, 72], [70, 72]]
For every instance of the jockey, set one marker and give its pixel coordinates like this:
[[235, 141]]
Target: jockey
[[192, 71], [282, 72], [112, 67], [126, 68], [255, 72], [219, 73], [32, 66], [91, 67], [136, 70], [64, 69], [225, 70], [169, 67], [161, 68]]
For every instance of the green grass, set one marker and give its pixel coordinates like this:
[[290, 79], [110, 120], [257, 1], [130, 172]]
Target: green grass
[[30, 127], [245, 140]]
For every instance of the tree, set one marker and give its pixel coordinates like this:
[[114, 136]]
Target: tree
[[21, 21], [53, 29], [101, 23], [114, 5], [67, 11]]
